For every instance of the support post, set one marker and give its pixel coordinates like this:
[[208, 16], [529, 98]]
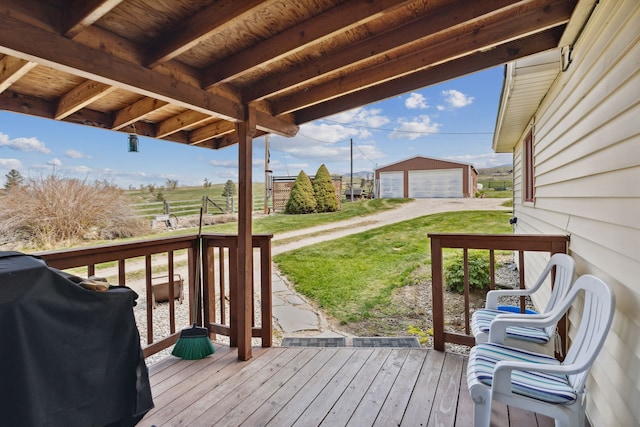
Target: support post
[[437, 295], [243, 293]]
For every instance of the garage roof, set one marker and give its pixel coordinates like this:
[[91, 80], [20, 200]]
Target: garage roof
[[428, 158]]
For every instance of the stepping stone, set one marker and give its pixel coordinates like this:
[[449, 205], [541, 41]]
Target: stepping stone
[[411, 342], [314, 342]]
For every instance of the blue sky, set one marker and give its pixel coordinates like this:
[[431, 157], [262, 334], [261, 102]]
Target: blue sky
[[452, 120]]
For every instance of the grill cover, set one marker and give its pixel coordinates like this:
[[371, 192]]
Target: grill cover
[[68, 356]]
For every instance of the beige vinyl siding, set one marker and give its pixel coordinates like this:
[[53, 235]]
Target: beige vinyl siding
[[587, 184]]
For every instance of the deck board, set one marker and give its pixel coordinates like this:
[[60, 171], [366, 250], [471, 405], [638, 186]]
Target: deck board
[[298, 386]]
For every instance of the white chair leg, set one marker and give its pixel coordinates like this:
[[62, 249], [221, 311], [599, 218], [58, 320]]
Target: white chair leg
[[481, 407]]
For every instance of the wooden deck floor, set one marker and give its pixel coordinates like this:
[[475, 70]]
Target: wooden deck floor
[[300, 386]]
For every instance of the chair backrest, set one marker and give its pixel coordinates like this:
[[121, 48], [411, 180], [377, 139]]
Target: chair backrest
[[565, 268], [597, 314], [564, 274]]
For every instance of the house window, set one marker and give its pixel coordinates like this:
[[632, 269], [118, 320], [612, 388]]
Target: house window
[[528, 167]]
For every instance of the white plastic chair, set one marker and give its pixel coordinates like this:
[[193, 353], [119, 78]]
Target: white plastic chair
[[533, 339], [535, 381]]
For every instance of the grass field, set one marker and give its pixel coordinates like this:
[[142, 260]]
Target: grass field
[[351, 276]]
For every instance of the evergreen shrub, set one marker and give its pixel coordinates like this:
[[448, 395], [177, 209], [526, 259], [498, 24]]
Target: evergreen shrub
[[324, 191], [302, 199]]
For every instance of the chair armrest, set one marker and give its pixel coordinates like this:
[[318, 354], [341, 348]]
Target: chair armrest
[[492, 296], [499, 325]]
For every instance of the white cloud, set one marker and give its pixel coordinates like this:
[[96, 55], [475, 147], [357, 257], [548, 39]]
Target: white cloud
[[54, 162], [415, 128], [327, 132], [84, 170], [416, 100], [75, 154], [10, 164], [486, 160], [224, 163], [23, 144], [456, 99], [367, 117]]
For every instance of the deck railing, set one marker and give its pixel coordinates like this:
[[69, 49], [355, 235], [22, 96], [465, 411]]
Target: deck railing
[[491, 243], [165, 256]]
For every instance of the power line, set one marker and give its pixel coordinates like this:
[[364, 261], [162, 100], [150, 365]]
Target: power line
[[337, 142]]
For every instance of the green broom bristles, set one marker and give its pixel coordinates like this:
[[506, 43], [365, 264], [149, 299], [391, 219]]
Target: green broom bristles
[[193, 344]]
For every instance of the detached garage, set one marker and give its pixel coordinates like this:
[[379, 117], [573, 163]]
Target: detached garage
[[423, 177]]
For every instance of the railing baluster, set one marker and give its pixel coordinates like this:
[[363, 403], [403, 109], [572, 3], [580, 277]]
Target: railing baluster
[[492, 269], [223, 293], [147, 284], [265, 293], [122, 276], [172, 301], [521, 243], [467, 289], [523, 304]]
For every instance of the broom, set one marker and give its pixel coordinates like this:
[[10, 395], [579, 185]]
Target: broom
[[194, 342]]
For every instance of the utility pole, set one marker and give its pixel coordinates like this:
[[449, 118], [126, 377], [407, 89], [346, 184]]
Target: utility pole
[[351, 144]]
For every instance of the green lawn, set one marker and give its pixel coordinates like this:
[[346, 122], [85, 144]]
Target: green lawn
[[349, 277]]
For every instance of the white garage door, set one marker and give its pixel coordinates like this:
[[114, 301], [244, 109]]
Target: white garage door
[[435, 183], [391, 185]]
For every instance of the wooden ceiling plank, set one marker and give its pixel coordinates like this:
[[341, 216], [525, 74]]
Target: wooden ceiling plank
[[181, 121], [136, 111], [496, 29], [80, 96], [466, 65], [12, 69], [338, 19], [83, 14], [34, 44], [425, 26], [214, 18]]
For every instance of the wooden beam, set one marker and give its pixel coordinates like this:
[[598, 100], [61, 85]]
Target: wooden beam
[[479, 61], [12, 69], [79, 97], [10, 101], [181, 121], [483, 35], [211, 131], [31, 43], [244, 295], [136, 111], [437, 20], [191, 31], [16, 103], [82, 14], [340, 18], [278, 125]]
